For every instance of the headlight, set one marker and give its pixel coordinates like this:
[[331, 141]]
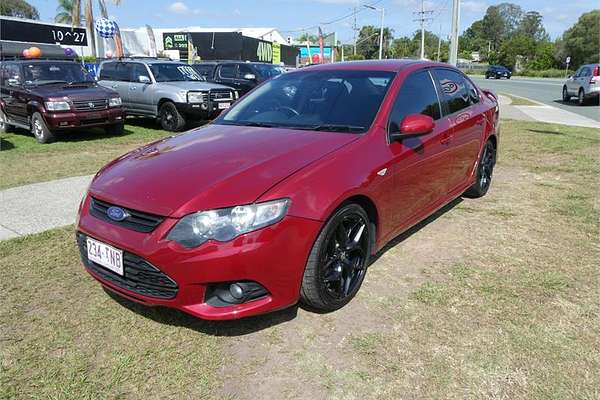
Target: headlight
[[57, 105], [226, 223], [195, 97], [114, 102], [236, 95]]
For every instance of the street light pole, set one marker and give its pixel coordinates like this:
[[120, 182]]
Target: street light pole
[[454, 32], [380, 28]]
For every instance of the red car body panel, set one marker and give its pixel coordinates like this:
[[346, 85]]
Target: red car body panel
[[220, 166]]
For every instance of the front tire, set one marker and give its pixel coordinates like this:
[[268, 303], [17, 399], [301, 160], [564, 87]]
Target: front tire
[[170, 118], [338, 261], [40, 130], [565, 94], [485, 169]]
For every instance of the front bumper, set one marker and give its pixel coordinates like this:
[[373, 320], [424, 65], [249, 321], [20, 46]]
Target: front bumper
[[80, 119], [201, 111], [274, 257]]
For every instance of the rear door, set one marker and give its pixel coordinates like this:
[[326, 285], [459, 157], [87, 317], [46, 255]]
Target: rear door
[[420, 164], [462, 108], [227, 74], [244, 85], [573, 82], [584, 79], [110, 76], [14, 95]]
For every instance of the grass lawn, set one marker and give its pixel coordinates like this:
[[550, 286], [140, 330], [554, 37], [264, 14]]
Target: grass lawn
[[490, 298], [519, 101], [23, 160]]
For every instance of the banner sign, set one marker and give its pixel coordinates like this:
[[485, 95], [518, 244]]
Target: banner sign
[[33, 32], [315, 50], [175, 41], [276, 53]]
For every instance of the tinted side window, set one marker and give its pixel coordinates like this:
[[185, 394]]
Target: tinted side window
[[108, 71], [416, 96], [204, 70], [137, 71], [227, 71], [11, 71], [454, 89], [473, 93], [243, 69], [586, 72], [124, 71]]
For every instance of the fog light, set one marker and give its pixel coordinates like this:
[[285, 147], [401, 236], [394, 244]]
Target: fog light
[[204, 106], [63, 123], [236, 291]]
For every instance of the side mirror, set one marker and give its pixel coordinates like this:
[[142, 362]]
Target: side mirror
[[413, 125], [250, 77], [13, 82], [143, 79]]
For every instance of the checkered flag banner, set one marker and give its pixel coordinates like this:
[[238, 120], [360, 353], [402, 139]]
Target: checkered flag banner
[[106, 28]]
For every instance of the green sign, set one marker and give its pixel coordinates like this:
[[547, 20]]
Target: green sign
[[276, 53], [174, 41]]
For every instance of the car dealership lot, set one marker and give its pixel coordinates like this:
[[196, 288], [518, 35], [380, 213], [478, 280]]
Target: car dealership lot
[[490, 298]]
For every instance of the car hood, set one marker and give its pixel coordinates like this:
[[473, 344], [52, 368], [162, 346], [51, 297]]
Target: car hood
[[193, 85], [74, 92], [212, 167]]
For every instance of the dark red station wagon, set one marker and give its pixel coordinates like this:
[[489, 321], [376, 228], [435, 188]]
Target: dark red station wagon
[[287, 195]]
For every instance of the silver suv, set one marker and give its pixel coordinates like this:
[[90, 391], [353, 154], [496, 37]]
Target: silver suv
[[585, 84], [168, 90]]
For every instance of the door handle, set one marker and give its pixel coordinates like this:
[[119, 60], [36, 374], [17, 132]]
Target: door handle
[[133, 88]]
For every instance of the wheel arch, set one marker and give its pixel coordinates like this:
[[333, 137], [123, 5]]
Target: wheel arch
[[370, 208]]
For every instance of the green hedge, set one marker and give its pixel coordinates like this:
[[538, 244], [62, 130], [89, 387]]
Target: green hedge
[[545, 73]]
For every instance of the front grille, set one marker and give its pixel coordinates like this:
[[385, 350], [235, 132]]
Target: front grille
[[136, 220], [139, 277], [90, 105], [94, 121], [221, 95]]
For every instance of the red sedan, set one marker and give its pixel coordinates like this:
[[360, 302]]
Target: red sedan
[[287, 195]]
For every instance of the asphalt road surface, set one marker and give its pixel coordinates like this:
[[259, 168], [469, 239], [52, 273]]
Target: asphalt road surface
[[547, 91]]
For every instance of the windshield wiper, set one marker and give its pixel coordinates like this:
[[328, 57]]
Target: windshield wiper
[[337, 128], [47, 83], [254, 123]]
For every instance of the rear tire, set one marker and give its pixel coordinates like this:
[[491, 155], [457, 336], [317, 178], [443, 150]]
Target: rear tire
[[338, 261], [581, 97], [40, 130], [115, 130], [170, 118], [485, 169], [4, 126], [565, 94]]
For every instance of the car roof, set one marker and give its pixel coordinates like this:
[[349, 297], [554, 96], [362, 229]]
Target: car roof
[[40, 60], [395, 65]]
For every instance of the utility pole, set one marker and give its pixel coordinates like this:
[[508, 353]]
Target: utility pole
[[355, 29], [454, 32], [422, 19], [439, 44]]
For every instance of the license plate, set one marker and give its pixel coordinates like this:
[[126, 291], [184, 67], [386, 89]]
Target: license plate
[[105, 255], [92, 116], [223, 106]]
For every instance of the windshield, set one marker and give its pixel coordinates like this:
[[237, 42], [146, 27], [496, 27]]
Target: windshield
[[343, 101], [48, 72], [174, 72], [269, 71]]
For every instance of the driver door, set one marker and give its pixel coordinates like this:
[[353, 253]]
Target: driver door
[[139, 98], [14, 94]]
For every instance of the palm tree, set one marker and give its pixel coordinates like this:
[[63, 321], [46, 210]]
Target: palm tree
[[89, 21], [64, 12]]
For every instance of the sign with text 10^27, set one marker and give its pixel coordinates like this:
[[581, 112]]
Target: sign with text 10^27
[[35, 32]]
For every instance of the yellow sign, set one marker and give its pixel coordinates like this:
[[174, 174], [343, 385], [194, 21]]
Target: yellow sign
[[276, 53]]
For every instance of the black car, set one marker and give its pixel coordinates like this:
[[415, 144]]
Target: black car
[[497, 72], [242, 76]]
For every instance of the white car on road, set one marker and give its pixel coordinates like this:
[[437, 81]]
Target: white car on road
[[585, 84]]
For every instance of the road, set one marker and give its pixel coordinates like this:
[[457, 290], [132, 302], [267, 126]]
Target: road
[[547, 91]]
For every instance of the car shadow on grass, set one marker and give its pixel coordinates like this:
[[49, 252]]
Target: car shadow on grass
[[245, 326]]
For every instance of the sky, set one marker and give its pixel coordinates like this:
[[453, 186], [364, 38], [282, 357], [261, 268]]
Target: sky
[[290, 17]]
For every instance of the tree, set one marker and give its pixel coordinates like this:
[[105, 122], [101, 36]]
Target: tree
[[532, 25], [368, 42], [511, 15], [493, 26], [305, 36], [580, 41], [18, 8], [64, 12]]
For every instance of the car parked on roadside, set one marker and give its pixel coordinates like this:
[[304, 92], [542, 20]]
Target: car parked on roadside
[[497, 72], [47, 97], [168, 90], [243, 76], [288, 194], [584, 84]]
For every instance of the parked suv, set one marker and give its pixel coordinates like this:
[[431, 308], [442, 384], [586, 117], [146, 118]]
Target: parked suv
[[169, 90], [497, 72], [243, 76], [585, 84], [46, 97]]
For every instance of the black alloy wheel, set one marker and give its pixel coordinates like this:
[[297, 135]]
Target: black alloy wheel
[[170, 118], [485, 170], [338, 262]]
